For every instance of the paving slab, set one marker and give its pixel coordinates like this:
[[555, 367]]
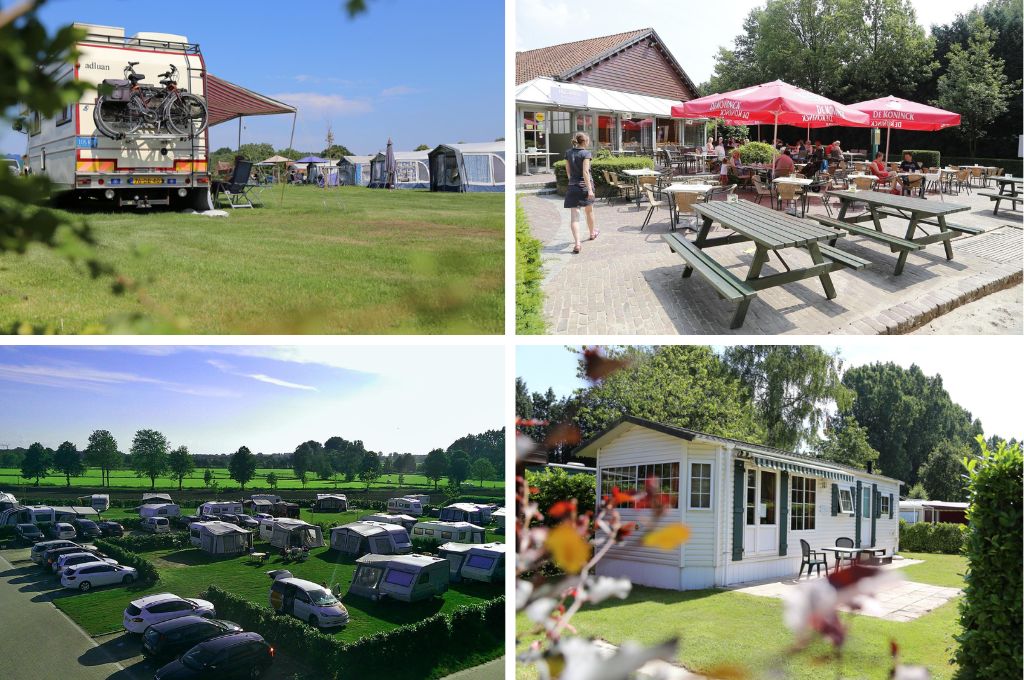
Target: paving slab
[[628, 281]]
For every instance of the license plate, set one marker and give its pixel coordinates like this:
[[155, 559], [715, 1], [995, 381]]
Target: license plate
[[148, 180]]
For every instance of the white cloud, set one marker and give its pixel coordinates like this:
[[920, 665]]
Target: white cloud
[[69, 375], [324, 104], [281, 383]]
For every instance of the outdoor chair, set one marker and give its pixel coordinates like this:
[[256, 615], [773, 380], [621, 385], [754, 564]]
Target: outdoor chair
[[990, 173], [623, 189], [761, 191], [798, 175], [741, 178], [685, 201], [885, 184], [724, 192], [863, 183], [788, 192], [963, 180], [236, 190], [844, 542], [655, 205], [650, 181], [811, 558], [978, 176], [914, 184], [818, 191]]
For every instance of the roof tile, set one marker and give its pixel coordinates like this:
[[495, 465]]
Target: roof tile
[[555, 60]]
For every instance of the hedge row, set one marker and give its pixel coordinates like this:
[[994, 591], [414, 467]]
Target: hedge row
[[926, 157], [419, 646], [147, 572], [940, 537], [148, 542], [598, 166], [1012, 166]]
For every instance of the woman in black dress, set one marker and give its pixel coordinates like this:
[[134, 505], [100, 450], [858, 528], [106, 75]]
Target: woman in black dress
[[581, 188]]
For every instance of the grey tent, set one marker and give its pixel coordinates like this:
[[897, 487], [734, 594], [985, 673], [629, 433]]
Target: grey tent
[[220, 538], [468, 167]]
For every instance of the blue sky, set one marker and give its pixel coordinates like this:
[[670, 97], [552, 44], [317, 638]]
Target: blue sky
[[271, 399], [979, 379], [421, 72]]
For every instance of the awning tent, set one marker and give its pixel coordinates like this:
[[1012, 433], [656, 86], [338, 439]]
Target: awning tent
[[226, 101], [468, 167]]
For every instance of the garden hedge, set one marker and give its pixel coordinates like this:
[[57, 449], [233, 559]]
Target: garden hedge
[[927, 158], [1012, 166], [941, 537], [409, 651], [990, 611], [598, 165], [148, 542], [147, 572]]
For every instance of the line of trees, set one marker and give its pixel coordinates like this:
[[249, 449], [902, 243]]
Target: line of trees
[[799, 398]]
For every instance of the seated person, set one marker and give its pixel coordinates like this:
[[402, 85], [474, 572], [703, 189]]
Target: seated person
[[812, 168], [909, 164], [835, 156], [783, 165], [736, 168], [877, 168]]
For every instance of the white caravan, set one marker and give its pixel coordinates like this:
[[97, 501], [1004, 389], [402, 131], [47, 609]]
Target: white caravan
[[405, 506], [407, 578], [220, 507], [160, 510], [283, 532], [442, 532], [406, 521], [475, 562], [360, 538]]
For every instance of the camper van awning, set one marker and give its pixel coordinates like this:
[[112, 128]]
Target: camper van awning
[[779, 463], [227, 101]]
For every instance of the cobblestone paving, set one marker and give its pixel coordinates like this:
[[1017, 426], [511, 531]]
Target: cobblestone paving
[[629, 282]]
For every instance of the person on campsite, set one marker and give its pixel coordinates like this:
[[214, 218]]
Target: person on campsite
[[580, 193], [783, 165], [835, 156], [877, 168]]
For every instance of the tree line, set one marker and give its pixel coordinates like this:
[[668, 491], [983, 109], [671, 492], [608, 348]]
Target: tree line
[[471, 457], [901, 422]]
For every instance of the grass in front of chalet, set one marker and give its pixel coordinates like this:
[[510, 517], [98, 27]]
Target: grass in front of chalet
[[936, 569]]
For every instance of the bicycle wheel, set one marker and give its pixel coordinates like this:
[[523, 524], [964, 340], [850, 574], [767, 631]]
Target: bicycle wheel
[[187, 115], [114, 119]]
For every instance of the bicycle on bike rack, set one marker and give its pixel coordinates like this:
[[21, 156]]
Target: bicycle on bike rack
[[131, 106]]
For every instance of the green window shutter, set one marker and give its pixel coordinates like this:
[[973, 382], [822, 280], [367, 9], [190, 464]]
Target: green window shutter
[[890, 506], [874, 511], [857, 500], [783, 511], [835, 500], [878, 503], [737, 510]]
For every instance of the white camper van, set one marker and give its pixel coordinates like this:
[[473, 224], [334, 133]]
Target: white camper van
[[475, 562], [221, 507], [442, 532], [405, 506], [150, 165], [283, 532], [406, 521]]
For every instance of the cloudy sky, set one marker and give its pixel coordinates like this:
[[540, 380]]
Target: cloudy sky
[[215, 399]]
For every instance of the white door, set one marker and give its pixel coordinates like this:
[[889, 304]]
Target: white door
[[761, 522]]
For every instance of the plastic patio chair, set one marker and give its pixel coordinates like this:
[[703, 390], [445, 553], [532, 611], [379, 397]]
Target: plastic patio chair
[[844, 542], [811, 558], [685, 200], [655, 205], [787, 192]]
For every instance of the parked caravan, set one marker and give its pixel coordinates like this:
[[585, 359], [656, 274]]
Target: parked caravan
[[466, 512], [282, 532], [407, 521], [355, 170], [100, 502], [405, 506], [379, 538], [412, 172], [499, 518], [305, 600], [7, 500], [220, 538], [148, 498], [468, 167], [27, 514], [220, 508], [286, 509], [330, 502], [442, 532], [408, 578], [159, 510], [475, 562]]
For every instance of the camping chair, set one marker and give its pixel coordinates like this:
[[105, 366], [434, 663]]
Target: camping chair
[[811, 558], [844, 542], [655, 205], [236, 190]]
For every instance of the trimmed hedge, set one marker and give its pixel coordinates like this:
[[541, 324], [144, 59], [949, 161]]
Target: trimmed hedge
[[941, 537], [529, 275], [597, 166], [927, 158], [148, 542], [990, 611], [1012, 166], [147, 572], [419, 645]]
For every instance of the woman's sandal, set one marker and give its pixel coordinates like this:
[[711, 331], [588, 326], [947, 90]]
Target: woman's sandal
[[597, 232], [576, 250]]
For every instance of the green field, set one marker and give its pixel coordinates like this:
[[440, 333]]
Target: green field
[[345, 260], [11, 477]]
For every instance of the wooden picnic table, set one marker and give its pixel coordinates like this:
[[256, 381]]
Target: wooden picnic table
[[1007, 192], [850, 552], [771, 231], [916, 211]]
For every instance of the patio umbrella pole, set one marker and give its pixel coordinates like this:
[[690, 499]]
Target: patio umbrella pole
[[291, 141], [775, 130], [888, 131]]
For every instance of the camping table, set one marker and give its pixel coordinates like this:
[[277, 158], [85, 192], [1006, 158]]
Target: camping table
[[685, 188], [773, 231], [914, 210], [1007, 187], [846, 552], [636, 175], [258, 557]]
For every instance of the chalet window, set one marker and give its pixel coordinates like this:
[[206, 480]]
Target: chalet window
[[884, 505], [65, 115], [845, 501], [35, 124], [561, 122], [801, 503], [751, 497], [700, 485], [632, 478], [865, 503]]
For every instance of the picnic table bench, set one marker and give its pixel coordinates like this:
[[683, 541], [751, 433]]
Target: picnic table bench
[[1007, 192], [770, 231], [916, 211]]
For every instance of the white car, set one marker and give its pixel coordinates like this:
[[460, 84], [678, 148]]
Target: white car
[[146, 611], [75, 559], [87, 576]]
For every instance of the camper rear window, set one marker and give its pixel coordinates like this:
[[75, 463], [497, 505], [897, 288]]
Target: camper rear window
[[480, 562], [398, 578]]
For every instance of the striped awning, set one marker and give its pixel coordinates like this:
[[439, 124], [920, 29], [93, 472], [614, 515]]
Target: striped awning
[[227, 101], [809, 470]]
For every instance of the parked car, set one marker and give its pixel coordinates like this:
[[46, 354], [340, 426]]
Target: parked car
[[185, 520], [145, 611], [76, 558], [155, 525], [110, 528], [61, 530], [37, 554], [28, 533], [305, 600], [245, 521], [51, 556], [86, 528], [170, 639], [260, 516], [238, 655], [87, 576]]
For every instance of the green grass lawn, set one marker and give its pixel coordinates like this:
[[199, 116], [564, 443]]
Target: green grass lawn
[[937, 569], [719, 627], [346, 260], [286, 480]]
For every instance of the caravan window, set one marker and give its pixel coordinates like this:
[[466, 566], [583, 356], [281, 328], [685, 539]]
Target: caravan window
[[418, 531], [845, 501], [368, 577], [399, 578], [480, 562], [884, 505], [865, 503], [446, 534]]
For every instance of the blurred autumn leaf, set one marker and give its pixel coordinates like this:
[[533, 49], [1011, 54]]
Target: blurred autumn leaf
[[667, 538], [569, 551]]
